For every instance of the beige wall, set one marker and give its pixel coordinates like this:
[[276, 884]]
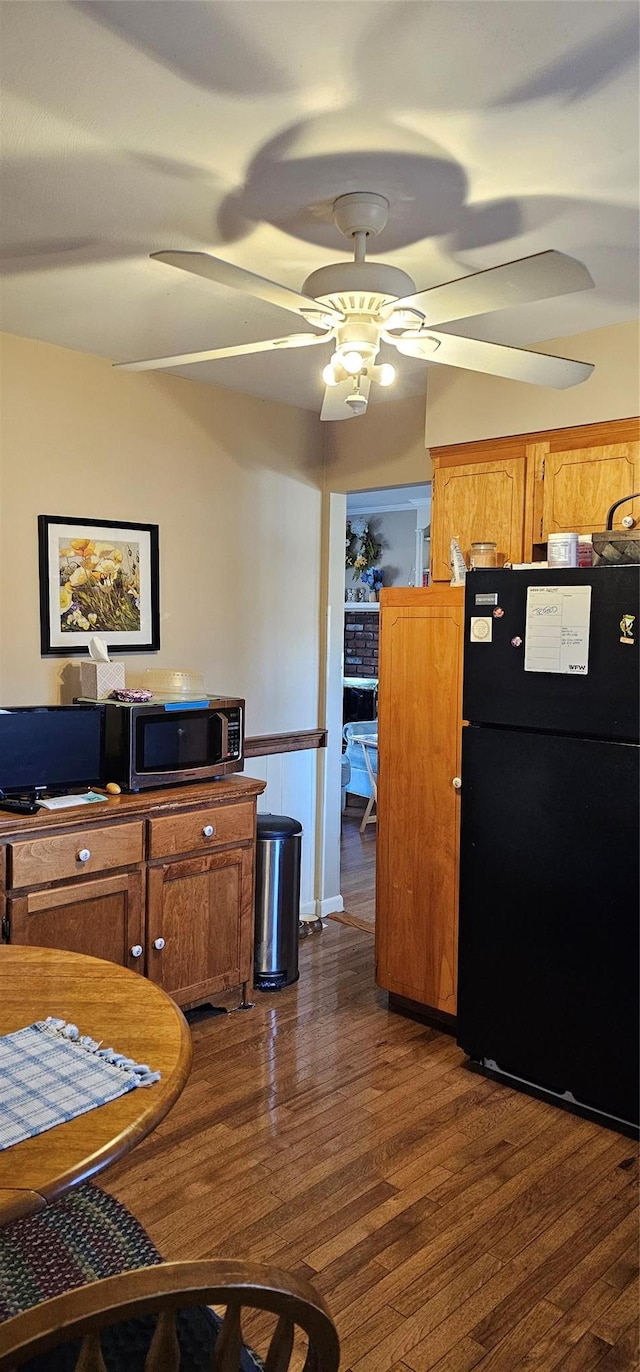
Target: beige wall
[[235, 486], [463, 406], [383, 448]]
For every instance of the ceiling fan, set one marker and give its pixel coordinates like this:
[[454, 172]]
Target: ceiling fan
[[359, 305]]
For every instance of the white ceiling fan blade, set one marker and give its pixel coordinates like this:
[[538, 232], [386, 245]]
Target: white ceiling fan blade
[[539, 277], [292, 340], [516, 364], [335, 399], [239, 279]]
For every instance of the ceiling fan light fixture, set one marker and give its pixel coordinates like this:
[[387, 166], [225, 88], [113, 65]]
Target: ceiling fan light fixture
[[329, 375], [352, 361], [362, 304]]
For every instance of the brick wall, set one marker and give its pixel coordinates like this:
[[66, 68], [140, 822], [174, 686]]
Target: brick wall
[[361, 629]]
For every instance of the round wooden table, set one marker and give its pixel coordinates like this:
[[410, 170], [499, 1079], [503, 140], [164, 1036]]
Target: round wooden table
[[125, 1011]]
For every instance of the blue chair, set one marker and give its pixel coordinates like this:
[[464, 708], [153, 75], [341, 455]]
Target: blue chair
[[363, 759]]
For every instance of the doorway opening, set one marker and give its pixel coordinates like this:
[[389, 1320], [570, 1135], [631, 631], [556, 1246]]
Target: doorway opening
[[387, 542]]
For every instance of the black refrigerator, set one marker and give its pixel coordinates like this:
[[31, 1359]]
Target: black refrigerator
[[549, 890]]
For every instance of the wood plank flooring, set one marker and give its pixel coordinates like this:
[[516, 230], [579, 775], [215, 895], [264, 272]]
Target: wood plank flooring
[[451, 1223], [357, 871]]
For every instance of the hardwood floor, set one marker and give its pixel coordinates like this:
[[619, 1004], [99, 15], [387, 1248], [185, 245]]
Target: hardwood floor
[[450, 1222], [357, 870]]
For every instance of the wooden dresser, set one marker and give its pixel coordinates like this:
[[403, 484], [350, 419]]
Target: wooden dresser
[[161, 882]]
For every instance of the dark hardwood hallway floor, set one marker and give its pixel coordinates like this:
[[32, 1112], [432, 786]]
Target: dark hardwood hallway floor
[[358, 869], [450, 1222]]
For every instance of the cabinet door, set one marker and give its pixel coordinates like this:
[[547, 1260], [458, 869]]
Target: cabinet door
[[475, 502], [581, 485], [200, 911], [102, 917], [418, 803]]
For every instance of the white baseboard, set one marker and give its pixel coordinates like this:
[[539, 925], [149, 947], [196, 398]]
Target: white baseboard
[[319, 909], [333, 905]]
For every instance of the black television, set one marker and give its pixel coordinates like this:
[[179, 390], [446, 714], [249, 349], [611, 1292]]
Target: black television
[[53, 748]]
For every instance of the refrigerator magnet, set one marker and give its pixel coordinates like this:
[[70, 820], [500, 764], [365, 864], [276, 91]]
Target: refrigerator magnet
[[481, 630], [626, 629]]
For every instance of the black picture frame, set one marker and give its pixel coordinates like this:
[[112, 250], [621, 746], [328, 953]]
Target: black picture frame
[[108, 584]]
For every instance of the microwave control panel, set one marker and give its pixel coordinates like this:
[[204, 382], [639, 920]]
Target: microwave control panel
[[234, 734]]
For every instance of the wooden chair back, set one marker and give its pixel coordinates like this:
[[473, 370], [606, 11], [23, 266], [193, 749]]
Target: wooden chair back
[[81, 1314]]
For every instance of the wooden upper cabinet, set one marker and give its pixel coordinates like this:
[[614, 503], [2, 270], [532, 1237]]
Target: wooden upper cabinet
[[478, 501], [581, 484]]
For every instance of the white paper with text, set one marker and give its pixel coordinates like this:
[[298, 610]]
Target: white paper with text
[[557, 632]]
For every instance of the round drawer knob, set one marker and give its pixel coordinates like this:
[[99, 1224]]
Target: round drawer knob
[[457, 783], [628, 521], [136, 951], [84, 855], [159, 944], [207, 832]]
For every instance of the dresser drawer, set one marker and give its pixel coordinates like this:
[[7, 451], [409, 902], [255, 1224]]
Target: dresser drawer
[[34, 861], [202, 829]]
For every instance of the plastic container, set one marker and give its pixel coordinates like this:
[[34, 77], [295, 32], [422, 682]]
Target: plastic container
[[562, 550], [483, 555], [167, 681]]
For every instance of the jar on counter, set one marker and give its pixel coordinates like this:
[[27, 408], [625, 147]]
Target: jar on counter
[[483, 555], [562, 550], [585, 550]]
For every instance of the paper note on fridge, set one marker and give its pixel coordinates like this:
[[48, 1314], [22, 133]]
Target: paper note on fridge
[[557, 633]]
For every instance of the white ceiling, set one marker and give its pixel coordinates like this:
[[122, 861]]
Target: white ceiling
[[394, 498], [496, 128]]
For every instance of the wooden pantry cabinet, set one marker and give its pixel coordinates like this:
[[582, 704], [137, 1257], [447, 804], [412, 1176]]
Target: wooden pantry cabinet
[[517, 490], [419, 740], [161, 882]]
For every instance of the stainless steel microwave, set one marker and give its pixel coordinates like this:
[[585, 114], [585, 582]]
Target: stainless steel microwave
[[163, 743]]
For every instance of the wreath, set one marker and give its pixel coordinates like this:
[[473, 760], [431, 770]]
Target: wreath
[[361, 549]]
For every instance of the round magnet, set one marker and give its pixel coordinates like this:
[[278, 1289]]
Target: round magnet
[[498, 612], [516, 642]]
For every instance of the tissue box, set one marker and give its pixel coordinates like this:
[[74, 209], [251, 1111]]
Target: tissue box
[[98, 679]]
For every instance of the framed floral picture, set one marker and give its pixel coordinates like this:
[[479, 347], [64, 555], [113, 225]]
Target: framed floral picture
[[98, 577]]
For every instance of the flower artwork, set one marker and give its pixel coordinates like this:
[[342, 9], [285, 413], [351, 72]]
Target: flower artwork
[[99, 585], [98, 578]]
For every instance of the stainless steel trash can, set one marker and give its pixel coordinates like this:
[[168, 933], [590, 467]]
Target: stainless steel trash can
[[278, 848]]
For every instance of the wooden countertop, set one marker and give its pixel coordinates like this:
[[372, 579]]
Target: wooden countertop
[[163, 801]]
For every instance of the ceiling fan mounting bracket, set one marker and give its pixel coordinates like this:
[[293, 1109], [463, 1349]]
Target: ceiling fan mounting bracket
[[360, 212]]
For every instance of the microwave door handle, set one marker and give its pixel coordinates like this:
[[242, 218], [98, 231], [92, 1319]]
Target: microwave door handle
[[225, 736]]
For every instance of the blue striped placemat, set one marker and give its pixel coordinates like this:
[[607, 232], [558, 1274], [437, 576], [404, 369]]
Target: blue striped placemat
[[49, 1073]]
